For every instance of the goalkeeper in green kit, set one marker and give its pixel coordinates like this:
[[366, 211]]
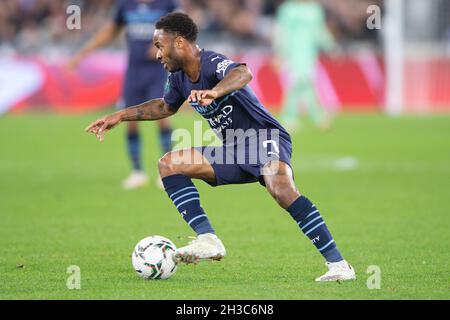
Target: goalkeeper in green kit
[[301, 34]]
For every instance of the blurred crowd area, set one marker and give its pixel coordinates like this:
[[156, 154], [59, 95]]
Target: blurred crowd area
[[253, 19], [32, 26]]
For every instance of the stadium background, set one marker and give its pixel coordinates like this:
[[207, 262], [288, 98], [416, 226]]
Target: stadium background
[[34, 37], [381, 174]]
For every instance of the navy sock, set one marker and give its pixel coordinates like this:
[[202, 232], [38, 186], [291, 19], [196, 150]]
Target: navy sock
[[311, 223], [134, 149], [186, 198], [165, 139]]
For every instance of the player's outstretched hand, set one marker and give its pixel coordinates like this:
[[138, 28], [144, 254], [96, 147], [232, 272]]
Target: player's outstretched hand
[[204, 97], [100, 126]]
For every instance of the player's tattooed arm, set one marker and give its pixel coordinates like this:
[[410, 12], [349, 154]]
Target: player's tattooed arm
[[155, 109], [236, 79], [151, 110]]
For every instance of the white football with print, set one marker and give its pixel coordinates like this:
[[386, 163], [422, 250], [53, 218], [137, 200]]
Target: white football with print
[[152, 258]]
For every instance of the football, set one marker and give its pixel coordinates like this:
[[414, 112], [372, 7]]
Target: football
[[152, 258]]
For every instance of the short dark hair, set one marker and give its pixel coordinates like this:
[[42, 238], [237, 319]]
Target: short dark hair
[[179, 24]]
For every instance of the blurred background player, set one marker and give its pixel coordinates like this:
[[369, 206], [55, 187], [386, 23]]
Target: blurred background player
[[301, 34], [145, 77]]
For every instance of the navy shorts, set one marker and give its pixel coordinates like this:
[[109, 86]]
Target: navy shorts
[[233, 167], [143, 83]]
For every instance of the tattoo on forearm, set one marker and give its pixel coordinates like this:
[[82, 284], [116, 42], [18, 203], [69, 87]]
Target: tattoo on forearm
[[150, 110], [140, 114]]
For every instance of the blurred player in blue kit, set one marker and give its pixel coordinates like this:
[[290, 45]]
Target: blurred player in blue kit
[[217, 88], [145, 77]]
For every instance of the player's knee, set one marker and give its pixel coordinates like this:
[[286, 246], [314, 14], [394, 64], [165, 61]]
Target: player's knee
[[284, 194], [279, 197], [165, 165]]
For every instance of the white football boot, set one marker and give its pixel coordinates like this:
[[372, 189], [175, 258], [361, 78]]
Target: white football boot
[[205, 247], [338, 271], [136, 179]]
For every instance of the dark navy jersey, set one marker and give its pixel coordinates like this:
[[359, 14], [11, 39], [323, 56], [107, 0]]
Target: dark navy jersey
[[240, 109], [139, 17]]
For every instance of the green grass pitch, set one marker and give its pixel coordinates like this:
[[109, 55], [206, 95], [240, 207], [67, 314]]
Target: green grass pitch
[[382, 184]]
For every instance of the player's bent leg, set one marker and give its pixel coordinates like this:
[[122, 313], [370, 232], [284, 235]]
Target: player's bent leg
[[137, 178], [280, 184], [177, 168], [188, 162]]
